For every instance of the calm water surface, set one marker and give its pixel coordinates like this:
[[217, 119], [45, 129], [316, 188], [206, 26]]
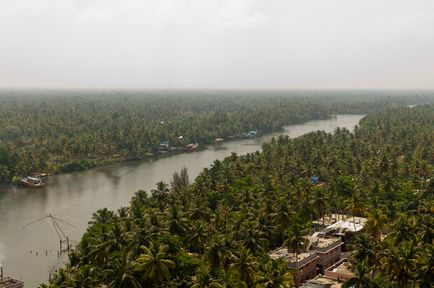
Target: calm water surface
[[75, 196]]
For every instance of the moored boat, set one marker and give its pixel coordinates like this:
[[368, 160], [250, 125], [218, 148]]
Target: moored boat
[[33, 182], [191, 147]]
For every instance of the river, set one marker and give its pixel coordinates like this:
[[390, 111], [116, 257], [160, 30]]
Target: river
[[30, 253]]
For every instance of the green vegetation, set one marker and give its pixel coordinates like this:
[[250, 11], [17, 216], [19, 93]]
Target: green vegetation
[[60, 131], [216, 231]]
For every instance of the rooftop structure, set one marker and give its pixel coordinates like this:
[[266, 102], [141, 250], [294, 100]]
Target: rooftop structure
[[7, 282], [294, 260], [339, 271], [330, 219], [328, 249], [322, 282], [351, 225], [318, 242]]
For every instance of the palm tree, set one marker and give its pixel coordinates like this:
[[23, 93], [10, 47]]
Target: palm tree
[[203, 279], [217, 252], [425, 266], [121, 272], [364, 249], [354, 205], [296, 239], [176, 222], [154, 263], [197, 235], [397, 263], [362, 277], [254, 240], [103, 216], [85, 277], [376, 222], [319, 203], [275, 274], [244, 264], [282, 217]]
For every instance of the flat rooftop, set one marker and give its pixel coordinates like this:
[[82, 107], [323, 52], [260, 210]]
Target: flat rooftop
[[341, 267], [352, 224], [282, 253], [8, 282], [333, 218], [323, 242], [322, 282]]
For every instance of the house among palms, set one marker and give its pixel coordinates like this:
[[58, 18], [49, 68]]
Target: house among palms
[[333, 277], [8, 282], [322, 282], [303, 263], [341, 225], [328, 249], [340, 271]]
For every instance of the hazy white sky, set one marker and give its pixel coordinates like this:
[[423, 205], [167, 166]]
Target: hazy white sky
[[217, 43]]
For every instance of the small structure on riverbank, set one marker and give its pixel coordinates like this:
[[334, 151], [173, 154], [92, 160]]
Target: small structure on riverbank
[[190, 147], [8, 282], [250, 134]]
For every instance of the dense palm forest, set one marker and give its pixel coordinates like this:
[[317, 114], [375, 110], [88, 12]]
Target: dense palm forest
[[217, 230], [48, 131]]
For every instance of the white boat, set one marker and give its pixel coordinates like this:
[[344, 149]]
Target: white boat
[[33, 182]]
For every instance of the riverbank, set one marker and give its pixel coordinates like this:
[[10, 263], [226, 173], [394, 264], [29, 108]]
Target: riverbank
[[89, 163]]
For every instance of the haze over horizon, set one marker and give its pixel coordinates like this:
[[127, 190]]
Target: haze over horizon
[[226, 44]]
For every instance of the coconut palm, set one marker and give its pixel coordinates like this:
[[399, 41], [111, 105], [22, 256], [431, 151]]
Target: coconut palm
[[282, 218], [103, 216], [154, 263], [197, 235], [362, 277], [275, 274], [397, 263], [355, 205], [425, 266], [217, 252], [244, 264], [121, 272], [203, 279], [376, 222], [296, 240]]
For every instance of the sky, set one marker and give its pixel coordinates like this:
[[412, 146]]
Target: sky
[[217, 44]]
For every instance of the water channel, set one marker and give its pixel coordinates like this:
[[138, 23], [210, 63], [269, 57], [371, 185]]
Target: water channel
[[30, 253]]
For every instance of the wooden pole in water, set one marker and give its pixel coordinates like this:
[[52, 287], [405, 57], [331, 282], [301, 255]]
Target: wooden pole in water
[[67, 242], [60, 241]]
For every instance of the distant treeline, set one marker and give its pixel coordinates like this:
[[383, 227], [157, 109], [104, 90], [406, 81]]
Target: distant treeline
[[47, 131]]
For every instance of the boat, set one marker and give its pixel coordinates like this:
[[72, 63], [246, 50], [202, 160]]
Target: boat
[[33, 182], [191, 147]]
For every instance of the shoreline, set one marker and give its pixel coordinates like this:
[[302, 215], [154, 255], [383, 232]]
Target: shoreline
[[202, 147]]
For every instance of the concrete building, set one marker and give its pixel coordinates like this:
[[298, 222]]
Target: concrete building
[[328, 250], [339, 271], [304, 264], [322, 282], [8, 282]]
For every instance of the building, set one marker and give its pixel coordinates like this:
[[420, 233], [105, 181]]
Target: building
[[341, 225], [304, 263], [7, 282], [328, 249], [340, 271], [322, 282]]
